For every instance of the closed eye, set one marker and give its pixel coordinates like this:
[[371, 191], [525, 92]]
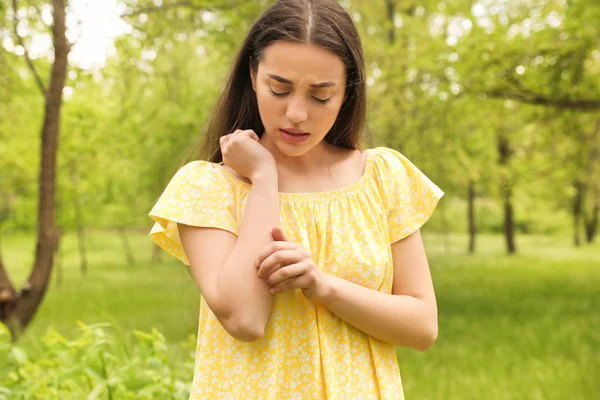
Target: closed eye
[[322, 101]]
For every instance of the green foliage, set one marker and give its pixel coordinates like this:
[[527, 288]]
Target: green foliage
[[435, 70], [94, 365]]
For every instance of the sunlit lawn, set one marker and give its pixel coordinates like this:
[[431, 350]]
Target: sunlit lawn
[[524, 327], [510, 327]]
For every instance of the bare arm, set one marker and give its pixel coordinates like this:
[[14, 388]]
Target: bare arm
[[408, 316], [223, 264]]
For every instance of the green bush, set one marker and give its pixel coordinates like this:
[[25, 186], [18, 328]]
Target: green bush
[[95, 365]]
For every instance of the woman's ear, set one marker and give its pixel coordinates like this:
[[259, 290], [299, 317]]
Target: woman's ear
[[252, 75]]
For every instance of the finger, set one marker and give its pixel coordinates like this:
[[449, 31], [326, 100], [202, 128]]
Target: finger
[[272, 248], [298, 282], [278, 234], [279, 275], [254, 136], [224, 139], [273, 260], [287, 257], [250, 133], [228, 137]]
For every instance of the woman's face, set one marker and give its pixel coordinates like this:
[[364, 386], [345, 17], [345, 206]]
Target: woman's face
[[298, 86]]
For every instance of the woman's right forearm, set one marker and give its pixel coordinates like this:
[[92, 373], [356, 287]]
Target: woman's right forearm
[[246, 297]]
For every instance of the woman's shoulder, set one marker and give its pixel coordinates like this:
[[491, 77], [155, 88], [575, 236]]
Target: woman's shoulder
[[391, 160], [383, 153], [230, 172], [393, 168], [201, 173]]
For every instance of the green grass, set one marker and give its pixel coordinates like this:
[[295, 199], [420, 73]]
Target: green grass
[[510, 327], [141, 296]]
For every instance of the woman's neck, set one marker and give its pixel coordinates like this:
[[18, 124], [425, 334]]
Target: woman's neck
[[313, 161]]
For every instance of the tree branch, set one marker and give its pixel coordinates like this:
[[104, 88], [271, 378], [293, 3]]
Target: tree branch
[[526, 95], [38, 80], [538, 99]]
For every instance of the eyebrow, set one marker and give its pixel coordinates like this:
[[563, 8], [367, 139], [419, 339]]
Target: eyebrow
[[315, 85]]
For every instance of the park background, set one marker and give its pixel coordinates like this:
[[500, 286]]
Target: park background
[[497, 101]]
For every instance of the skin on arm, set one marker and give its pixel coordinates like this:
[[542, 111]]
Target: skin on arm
[[223, 264], [412, 277], [408, 316]]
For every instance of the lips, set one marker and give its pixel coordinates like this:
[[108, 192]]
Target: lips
[[294, 138], [294, 131]]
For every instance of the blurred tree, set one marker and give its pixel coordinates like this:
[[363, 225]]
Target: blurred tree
[[485, 97], [18, 307]]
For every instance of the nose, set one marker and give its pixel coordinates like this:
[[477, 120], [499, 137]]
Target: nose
[[296, 110]]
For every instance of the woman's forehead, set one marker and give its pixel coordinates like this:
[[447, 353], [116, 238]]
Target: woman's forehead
[[299, 61]]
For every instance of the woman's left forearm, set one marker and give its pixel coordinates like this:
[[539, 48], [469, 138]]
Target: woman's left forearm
[[398, 319]]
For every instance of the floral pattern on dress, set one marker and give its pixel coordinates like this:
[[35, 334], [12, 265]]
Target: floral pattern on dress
[[307, 352]]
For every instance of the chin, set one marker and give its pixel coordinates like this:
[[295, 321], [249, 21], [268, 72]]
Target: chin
[[293, 150]]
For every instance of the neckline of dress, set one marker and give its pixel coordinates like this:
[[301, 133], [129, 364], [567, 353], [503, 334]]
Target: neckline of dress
[[338, 192]]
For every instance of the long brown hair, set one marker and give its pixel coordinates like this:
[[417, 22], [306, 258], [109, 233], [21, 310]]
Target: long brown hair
[[319, 22]]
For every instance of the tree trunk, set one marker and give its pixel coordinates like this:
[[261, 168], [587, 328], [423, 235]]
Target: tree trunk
[[590, 217], [509, 228], [577, 209], [83, 264], [126, 246], [34, 288], [505, 154], [8, 297], [471, 213], [591, 224], [389, 5], [78, 220]]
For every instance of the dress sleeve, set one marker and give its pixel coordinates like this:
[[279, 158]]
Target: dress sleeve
[[198, 195], [410, 197]]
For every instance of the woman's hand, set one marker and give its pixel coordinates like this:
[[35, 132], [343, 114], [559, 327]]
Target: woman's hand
[[285, 265], [243, 152]]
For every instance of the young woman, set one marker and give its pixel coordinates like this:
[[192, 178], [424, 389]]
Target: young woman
[[306, 250]]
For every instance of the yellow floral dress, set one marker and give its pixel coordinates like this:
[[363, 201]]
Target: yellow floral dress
[[307, 352]]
